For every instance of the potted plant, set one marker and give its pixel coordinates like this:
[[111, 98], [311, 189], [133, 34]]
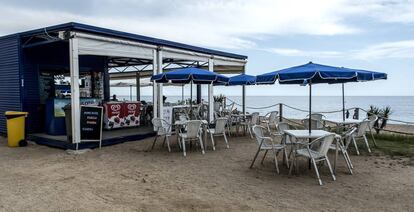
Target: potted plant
[[385, 114], [382, 114]]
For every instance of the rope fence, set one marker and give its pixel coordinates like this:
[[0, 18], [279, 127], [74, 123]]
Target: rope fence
[[323, 112]]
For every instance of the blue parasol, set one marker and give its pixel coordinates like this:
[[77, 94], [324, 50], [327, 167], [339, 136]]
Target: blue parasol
[[313, 73], [242, 79]]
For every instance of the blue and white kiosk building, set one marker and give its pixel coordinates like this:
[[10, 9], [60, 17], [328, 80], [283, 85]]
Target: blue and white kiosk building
[[73, 49]]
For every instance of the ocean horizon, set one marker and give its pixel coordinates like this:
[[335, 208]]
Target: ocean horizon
[[402, 106]]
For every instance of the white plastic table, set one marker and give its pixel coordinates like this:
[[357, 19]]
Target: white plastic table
[[344, 122], [304, 134]]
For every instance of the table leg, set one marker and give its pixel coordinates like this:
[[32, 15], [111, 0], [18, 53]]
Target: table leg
[[205, 136], [310, 162], [336, 156], [293, 163], [292, 153]]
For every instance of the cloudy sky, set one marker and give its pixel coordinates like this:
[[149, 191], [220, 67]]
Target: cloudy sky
[[371, 34]]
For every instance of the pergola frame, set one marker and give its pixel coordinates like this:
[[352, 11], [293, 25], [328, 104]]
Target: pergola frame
[[128, 59]]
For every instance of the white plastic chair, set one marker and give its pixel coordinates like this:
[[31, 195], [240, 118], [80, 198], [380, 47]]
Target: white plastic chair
[[360, 134], [316, 153], [343, 144], [317, 116], [219, 130], [193, 133], [266, 144], [270, 119], [317, 121], [249, 122], [163, 129], [315, 124], [254, 119], [281, 127], [372, 119], [286, 140]]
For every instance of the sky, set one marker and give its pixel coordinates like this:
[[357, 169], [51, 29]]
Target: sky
[[376, 35]]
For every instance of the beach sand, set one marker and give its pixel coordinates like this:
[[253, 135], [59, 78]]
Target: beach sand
[[125, 177]]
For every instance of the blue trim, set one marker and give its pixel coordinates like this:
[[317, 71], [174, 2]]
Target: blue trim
[[134, 37], [39, 43], [87, 145]]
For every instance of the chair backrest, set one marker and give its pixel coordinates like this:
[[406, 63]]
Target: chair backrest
[[193, 128], [273, 116], [196, 112], [317, 116], [216, 115], [282, 126], [372, 119], [258, 134], [160, 125], [363, 127], [347, 136], [315, 124], [325, 143], [231, 107], [220, 125], [255, 118], [183, 117]]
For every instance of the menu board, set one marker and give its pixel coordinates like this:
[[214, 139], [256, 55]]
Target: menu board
[[91, 123], [46, 82]]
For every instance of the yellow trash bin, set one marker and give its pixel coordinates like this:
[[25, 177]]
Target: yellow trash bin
[[15, 127]]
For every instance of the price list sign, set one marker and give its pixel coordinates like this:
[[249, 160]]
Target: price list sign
[[91, 123]]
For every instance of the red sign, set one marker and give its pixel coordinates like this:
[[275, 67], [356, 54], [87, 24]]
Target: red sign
[[122, 114], [132, 112]]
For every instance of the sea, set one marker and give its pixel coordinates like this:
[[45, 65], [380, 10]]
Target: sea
[[402, 107]]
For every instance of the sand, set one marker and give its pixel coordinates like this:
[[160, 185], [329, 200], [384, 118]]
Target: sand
[[125, 177]]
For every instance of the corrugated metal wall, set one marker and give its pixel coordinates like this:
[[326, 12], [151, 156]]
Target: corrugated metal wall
[[30, 92], [10, 98]]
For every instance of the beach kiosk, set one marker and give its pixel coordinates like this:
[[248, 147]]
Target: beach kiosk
[[54, 72]]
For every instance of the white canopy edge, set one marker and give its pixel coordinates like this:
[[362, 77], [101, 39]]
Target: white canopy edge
[[104, 46], [196, 56]]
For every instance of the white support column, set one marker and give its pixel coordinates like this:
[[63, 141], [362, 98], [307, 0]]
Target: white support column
[[74, 87], [154, 85], [244, 95], [160, 90], [210, 93]]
